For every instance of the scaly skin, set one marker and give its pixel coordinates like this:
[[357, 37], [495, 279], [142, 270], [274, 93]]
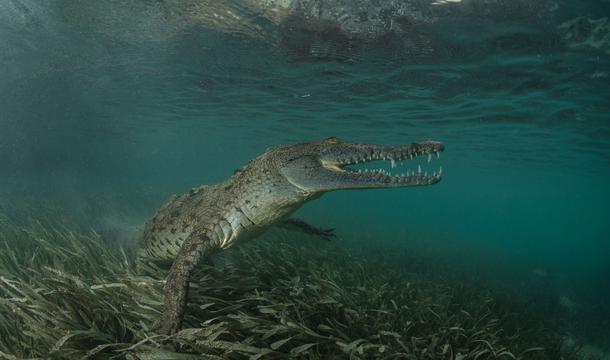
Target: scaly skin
[[262, 194]]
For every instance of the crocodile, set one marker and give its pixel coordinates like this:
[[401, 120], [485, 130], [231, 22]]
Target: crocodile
[[262, 194]]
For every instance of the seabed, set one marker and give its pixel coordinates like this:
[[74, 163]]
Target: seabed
[[66, 294]]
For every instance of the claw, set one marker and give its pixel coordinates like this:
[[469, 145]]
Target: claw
[[328, 234]]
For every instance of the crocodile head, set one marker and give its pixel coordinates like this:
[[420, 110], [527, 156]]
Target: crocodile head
[[333, 164]]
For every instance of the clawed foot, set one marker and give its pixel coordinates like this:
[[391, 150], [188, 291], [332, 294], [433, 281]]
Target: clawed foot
[[326, 234]]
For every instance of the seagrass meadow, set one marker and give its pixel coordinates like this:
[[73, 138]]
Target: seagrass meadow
[[67, 294]]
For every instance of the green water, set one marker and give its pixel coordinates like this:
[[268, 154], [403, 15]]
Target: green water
[[106, 110]]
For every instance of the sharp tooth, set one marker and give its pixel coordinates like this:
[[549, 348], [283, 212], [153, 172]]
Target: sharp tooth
[[438, 154], [429, 157], [419, 169], [426, 174], [411, 156], [440, 171], [393, 163]]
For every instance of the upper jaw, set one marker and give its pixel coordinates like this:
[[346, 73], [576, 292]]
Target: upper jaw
[[381, 178]]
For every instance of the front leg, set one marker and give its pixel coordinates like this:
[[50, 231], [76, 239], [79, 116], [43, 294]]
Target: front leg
[[302, 226], [177, 284]]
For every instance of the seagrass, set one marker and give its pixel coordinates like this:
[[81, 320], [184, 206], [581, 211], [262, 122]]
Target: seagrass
[[74, 295]]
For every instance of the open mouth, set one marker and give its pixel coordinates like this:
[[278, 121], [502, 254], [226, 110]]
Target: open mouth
[[408, 165]]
